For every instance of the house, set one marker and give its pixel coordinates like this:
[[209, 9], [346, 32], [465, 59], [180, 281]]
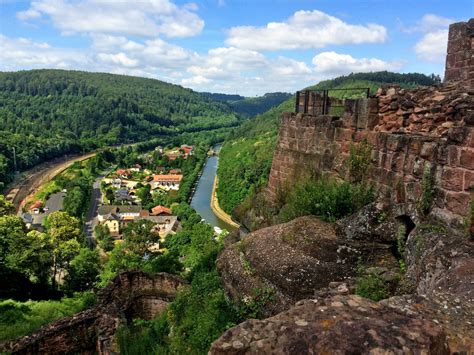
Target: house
[[116, 183], [36, 207], [136, 168], [123, 196], [160, 210], [167, 181], [187, 149], [164, 225], [123, 173], [175, 171], [115, 218], [173, 154], [122, 212]]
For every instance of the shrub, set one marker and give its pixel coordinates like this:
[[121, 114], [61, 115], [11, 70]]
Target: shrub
[[372, 287], [22, 318], [326, 198]]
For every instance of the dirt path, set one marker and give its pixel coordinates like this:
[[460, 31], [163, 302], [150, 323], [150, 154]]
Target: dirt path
[[218, 211], [33, 179]]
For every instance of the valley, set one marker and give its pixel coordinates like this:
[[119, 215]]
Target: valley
[[142, 217]]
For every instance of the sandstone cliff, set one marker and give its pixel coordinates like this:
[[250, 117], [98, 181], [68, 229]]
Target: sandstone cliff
[[308, 267]]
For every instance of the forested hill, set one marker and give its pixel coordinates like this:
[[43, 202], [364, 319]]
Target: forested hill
[[251, 106], [245, 158], [47, 113]]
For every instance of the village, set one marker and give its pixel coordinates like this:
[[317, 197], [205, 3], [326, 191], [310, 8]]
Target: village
[[139, 191]]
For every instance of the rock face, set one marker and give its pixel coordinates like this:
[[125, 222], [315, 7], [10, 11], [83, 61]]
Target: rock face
[[131, 294], [337, 325], [293, 260]]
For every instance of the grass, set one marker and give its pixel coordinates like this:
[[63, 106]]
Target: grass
[[22, 318]]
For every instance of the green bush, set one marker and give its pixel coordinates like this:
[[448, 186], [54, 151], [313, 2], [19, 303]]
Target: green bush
[[372, 287], [22, 318], [326, 198]]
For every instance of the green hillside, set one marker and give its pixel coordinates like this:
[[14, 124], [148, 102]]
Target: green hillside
[[251, 106], [245, 158], [49, 113]]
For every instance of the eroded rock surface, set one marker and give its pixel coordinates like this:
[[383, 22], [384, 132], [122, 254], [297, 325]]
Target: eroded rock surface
[[294, 260], [336, 325], [130, 294]]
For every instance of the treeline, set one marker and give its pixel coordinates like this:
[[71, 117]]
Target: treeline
[[251, 106], [245, 158], [406, 79], [49, 113]]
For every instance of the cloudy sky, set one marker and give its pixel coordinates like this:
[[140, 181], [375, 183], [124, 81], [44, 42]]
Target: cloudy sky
[[247, 47]]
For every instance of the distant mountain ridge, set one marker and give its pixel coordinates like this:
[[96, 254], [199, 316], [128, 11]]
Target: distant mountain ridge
[[251, 106]]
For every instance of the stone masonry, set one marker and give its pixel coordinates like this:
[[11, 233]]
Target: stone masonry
[[131, 294], [459, 60], [412, 133]]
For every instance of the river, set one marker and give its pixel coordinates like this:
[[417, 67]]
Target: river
[[201, 200]]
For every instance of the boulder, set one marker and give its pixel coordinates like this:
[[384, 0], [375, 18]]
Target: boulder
[[336, 325], [291, 261]]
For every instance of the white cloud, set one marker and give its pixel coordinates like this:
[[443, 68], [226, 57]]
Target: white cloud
[[428, 23], [432, 47], [145, 18], [305, 29], [120, 58], [331, 64], [22, 53], [433, 44]]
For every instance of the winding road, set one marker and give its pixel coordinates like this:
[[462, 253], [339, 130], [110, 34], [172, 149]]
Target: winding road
[[91, 216]]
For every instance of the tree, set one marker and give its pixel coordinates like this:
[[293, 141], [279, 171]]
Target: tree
[[83, 271], [139, 237], [102, 234], [144, 194], [25, 253], [6, 207], [64, 233]]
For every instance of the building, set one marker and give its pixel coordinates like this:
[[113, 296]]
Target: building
[[36, 207], [160, 210], [123, 173], [167, 181], [123, 196], [173, 155], [175, 171], [115, 218], [187, 149], [122, 212]]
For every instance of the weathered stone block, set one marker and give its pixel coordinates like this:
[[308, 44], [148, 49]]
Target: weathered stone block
[[467, 158], [453, 179], [458, 202]]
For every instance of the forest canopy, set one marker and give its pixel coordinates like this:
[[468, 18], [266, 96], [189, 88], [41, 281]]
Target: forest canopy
[[49, 113]]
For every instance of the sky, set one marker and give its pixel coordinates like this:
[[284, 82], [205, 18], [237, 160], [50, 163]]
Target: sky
[[236, 47]]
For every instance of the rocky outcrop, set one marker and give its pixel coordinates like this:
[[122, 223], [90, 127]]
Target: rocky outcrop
[[129, 295], [307, 258], [336, 325], [293, 260]]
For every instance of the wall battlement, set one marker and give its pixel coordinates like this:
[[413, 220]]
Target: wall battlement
[[410, 132]]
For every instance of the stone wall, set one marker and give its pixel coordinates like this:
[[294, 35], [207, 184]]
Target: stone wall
[[413, 133], [129, 295], [459, 59]]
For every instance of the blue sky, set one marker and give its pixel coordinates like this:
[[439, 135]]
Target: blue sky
[[245, 47]]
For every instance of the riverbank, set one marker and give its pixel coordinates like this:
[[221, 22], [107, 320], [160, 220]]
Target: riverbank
[[218, 210]]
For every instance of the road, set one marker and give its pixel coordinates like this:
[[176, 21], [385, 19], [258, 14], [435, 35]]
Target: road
[[91, 216], [33, 179]]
